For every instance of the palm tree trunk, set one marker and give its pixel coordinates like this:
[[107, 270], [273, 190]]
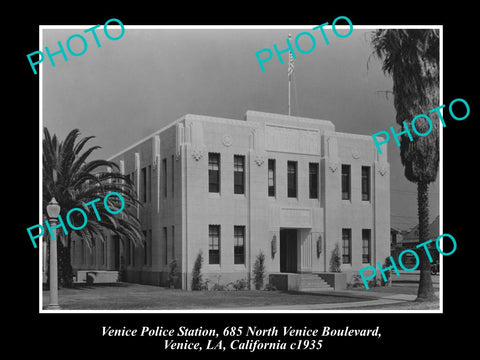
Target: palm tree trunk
[[425, 287]]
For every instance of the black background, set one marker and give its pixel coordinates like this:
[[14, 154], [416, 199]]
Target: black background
[[403, 335]]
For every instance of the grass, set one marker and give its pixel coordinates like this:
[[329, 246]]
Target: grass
[[124, 296]]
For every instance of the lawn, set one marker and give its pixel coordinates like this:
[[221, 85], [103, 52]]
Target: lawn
[[123, 296]]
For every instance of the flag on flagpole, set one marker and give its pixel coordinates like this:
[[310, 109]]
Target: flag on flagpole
[[291, 64], [291, 61]]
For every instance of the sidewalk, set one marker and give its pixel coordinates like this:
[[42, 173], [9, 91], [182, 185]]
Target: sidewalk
[[406, 279]]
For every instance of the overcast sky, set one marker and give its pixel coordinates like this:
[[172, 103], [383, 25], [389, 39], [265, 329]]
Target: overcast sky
[[129, 88]]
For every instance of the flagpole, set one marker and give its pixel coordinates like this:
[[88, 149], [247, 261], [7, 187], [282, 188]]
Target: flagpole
[[289, 79]]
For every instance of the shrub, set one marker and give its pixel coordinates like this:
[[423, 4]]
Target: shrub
[[270, 287], [388, 274], [335, 260], [240, 284], [197, 282], [173, 273], [356, 281], [259, 271]]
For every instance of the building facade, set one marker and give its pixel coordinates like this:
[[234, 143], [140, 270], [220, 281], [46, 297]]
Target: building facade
[[291, 188]]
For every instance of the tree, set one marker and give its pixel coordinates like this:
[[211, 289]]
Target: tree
[[74, 182], [335, 260], [411, 57], [259, 271], [197, 281]]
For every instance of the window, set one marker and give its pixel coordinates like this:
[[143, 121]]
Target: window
[[143, 182], [165, 238], [366, 183], [173, 177], [149, 247], [239, 245], [346, 246], [292, 179], [164, 162], [145, 248], [213, 173], [313, 179], [149, 182], [271, 177], [345, 182], [214, 244], [239, 174], [366, 235], [173, 242]]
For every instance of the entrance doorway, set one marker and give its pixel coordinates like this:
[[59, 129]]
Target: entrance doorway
[[288, 250]]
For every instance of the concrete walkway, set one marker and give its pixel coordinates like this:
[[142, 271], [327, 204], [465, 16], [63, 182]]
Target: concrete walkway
[[376, 298]]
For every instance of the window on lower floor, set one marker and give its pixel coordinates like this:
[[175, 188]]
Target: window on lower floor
[[346, 246], [239, 245], [214, 244], [165, 239], [366, 241]]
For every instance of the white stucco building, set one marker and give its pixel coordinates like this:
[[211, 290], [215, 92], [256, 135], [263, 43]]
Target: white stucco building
[[286, 186]]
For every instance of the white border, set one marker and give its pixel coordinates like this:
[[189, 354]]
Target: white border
[[240, 311]]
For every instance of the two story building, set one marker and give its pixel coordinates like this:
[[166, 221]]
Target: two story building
[[292, 188]]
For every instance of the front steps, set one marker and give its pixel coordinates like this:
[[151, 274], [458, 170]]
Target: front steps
[[313, 282]]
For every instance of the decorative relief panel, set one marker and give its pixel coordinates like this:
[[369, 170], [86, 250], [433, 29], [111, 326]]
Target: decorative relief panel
[[295, 218], [197, 154], [291, 139], [332, 165], [227, 140], [382, 169]]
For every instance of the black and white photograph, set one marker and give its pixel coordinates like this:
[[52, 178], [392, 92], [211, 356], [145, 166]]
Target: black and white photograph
[[248, 188]]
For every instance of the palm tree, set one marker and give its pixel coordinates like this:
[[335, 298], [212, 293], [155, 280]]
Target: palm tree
[[74, 182], [411, 57]]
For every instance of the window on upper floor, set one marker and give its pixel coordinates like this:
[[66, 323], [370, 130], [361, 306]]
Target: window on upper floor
[[271, 177], [213, 172], [346, 188], [313, 180], [239, 174], [366, 183], [292, 179]]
